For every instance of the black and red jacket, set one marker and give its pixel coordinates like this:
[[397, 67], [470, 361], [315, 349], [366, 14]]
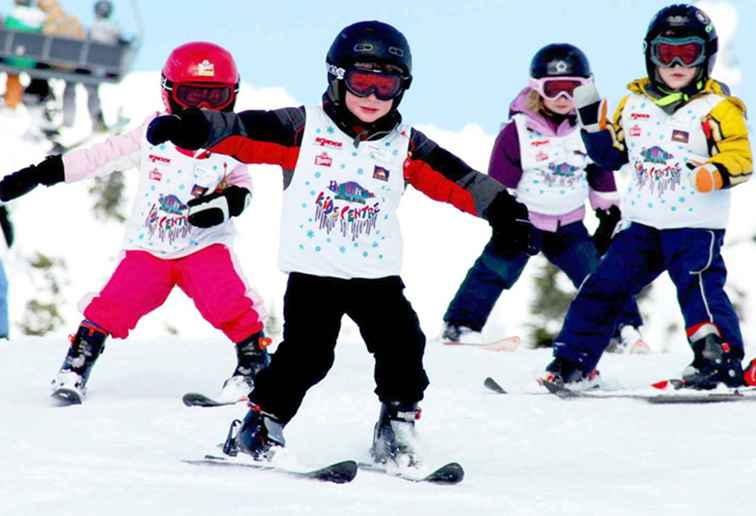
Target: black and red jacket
[[274, 137]]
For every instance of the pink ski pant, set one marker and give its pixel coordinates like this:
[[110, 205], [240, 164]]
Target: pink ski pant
[[142, 282]]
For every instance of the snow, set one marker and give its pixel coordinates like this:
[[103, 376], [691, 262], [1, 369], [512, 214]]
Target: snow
[[120, 452]]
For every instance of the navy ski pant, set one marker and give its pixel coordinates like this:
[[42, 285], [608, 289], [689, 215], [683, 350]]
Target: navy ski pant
[[313, 309], [637, 256], [570, 249]]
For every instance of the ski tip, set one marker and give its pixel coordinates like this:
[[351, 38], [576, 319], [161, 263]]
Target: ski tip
[[451, 473], [341, 472], [493, 385]]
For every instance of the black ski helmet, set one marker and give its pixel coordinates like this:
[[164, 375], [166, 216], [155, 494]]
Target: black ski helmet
[[680, 21], [369, 42], [103, 9], [559, 59]]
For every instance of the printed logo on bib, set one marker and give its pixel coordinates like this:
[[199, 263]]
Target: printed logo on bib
[[325, 142], [380, 173], [635, 131], [541, 156], [323, 160], [198, 190], [155, 175], [653, 172], [562, 174], [680, 136], [348, 220], [639, 116], [538, 143], [167, 220], [158, 159]]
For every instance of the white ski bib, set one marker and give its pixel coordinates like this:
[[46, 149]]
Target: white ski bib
[[168, 180], [339, 210], [553, 179], [661, 191]]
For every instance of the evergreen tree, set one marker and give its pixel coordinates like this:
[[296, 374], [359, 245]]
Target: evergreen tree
[[42, 314], [108, 194]]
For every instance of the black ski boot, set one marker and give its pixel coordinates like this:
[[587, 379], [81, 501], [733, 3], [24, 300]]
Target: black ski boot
[[259, 434], [714, 363], [251, 357], [394, 434], [70, 385], [566, 373]]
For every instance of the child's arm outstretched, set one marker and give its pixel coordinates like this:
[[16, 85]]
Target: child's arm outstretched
[[116, 153]]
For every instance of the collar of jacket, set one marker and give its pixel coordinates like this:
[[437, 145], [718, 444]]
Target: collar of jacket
[[671, 101], [356, 128]]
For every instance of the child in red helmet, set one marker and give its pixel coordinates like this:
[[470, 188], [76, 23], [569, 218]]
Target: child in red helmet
[[179, 232]]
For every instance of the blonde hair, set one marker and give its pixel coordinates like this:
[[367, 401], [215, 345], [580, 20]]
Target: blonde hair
[[534, 102]]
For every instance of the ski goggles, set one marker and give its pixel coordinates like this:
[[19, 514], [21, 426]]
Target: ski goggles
[[554, 87], [363, 83], [688, 52], [210, 97]]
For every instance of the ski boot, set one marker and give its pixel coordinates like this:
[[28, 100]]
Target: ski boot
[[251, 357], [566, 373], [713, 363], [394, 434], [70, 384], [258, 435], [458, 334]]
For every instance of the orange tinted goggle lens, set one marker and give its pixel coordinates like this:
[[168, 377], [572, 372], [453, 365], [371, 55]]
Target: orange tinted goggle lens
[[688, 54], [212, 96], [554, 87], [364, 83]]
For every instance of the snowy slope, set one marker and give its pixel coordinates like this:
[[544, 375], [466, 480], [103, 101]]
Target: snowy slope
[[119, 453]]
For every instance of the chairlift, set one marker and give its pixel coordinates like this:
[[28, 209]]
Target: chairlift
[[70, 59]]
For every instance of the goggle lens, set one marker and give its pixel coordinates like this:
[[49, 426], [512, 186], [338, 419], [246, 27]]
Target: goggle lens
[[363, 83]]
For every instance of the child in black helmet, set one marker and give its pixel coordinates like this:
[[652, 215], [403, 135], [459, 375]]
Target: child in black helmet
[[685, 141], [346, 164], [540, 156]]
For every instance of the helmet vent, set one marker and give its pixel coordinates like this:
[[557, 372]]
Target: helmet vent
[[363, 47], [396, 51]]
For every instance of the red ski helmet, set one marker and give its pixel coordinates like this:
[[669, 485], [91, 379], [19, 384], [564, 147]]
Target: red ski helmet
[[199, 74]]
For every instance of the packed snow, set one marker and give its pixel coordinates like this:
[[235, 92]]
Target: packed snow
[[120, 453]]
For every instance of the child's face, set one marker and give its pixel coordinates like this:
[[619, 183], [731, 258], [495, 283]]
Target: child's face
[[677, 77], [561, 105], [368, 109]]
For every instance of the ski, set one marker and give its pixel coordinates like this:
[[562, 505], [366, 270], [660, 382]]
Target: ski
[[448, 474], [338, 473], [494, 386], [196, 399], [505, 344], [67, 397], [681, 396]]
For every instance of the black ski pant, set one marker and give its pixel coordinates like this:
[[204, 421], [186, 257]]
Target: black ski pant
[[313, 309]]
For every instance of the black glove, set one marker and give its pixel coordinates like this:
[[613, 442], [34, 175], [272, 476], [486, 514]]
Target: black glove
[[207, 211], [48, 172], [189, 130], [6, 225], [511, 230], [608, 220]]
